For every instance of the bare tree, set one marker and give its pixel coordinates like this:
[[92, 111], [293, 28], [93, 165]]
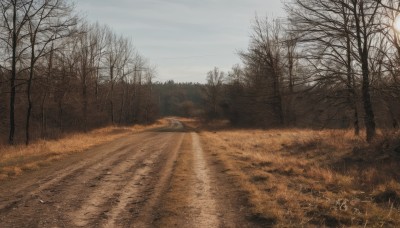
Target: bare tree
[[15, 14], [49, 21], [266, 58], [344, 29], [117, 57], [213, 92], [138, 68], [365, 16], [66, 67]]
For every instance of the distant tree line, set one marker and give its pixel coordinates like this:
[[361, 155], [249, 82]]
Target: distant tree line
[[60, 73], [179, 99], [330, 63]]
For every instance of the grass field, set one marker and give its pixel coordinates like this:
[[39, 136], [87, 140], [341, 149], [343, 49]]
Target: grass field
[[306, 178]]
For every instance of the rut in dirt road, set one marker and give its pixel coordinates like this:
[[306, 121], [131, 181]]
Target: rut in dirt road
[[130, 182], [201, 196]]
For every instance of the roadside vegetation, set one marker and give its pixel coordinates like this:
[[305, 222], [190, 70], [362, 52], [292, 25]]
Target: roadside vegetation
[[299, 177]]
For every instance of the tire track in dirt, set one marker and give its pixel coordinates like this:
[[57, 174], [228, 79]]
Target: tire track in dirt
[[69, 173], [101, 181], [160, 185], [128, 194], [190, 201], [202, 193], [62, 175], [97, 205], [202, 199]]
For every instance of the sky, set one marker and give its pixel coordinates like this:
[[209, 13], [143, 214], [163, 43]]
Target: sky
[[184, 39]]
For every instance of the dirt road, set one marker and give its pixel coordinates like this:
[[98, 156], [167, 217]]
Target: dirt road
[[158, 178]]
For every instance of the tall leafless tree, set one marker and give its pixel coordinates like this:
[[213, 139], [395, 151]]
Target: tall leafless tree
[[213, 92], [15, 15], [48, 21]]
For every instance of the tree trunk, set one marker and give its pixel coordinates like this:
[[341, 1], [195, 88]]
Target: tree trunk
[[84, 96], [28, 93], [362, 43], [356, 122], [13, 77], [290, 66], [43, 116], [369, 113], [60, 115], [351, 99], [112, 94], [278, 99], [84, 106], [128, 104], [134, 105], [138, 98], [122, 105]]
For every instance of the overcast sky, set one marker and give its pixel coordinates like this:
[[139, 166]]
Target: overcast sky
[[184, 39]]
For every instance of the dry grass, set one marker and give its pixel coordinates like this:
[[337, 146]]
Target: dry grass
[[14, 160], [306, 178]]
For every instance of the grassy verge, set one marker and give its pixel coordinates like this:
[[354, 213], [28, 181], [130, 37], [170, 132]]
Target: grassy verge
[[14, 160], [305, 178]]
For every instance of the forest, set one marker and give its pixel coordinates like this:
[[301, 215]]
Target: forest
[[61, 73], [329, 64]]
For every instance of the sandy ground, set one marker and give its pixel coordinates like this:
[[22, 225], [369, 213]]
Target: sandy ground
[[158, 178]]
